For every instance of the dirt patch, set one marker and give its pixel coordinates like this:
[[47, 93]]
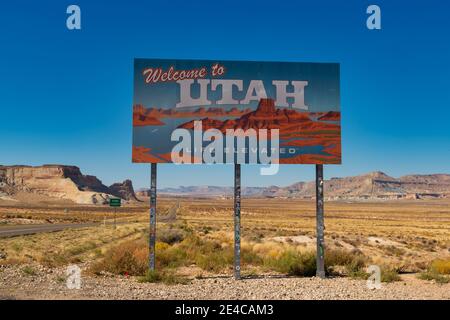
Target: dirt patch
[[377, 241], [295, 239], [45, 283]]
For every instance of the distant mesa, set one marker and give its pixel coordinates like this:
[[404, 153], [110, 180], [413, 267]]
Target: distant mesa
[[123, 190], [59, 182], [66, 183], [371, 186]]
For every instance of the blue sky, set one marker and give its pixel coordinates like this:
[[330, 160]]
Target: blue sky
[[66, 96]]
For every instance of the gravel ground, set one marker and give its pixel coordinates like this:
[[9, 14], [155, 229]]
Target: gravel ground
[[42, 283]]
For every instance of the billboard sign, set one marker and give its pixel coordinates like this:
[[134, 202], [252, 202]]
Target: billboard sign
[[212, 111]]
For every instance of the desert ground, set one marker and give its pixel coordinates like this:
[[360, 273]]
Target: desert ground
[[408, 239]]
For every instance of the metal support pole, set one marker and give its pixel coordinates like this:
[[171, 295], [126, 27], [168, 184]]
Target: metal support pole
[[152, 240], [115, 218], [237, 221], [320, 260]]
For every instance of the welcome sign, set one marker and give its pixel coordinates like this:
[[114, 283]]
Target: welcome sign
[[201, 111]]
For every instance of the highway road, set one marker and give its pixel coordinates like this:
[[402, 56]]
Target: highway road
[[20, 230]]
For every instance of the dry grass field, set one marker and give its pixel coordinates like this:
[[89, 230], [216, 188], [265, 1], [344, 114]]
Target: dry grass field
[[407, 234], [195, 238]]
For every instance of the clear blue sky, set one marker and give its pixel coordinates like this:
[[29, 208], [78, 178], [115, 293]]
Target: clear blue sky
[[66, 96]]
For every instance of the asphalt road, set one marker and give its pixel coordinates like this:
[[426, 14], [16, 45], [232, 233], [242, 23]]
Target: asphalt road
[[20, 230]]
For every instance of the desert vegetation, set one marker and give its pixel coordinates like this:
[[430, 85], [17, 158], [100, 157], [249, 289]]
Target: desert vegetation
[[213, 254], [278, 238], [438, 270]]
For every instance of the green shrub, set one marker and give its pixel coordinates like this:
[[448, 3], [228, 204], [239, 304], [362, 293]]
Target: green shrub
[[441, 266], [55, 259], [338, 257], [61, 279], [437, 271], [151, 276], [170, 236], [29, 271], [293, 263], [430, 275], [354, 263], [171, 279], [17, 247], [356, 268], [249, 257], [215, 261], [126, 258], [170, 257], [389, 275]]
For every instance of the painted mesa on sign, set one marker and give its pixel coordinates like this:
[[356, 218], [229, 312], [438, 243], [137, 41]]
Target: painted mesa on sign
[[237, 98]]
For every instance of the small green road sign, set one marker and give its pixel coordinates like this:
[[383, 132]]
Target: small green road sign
[[114, 202]]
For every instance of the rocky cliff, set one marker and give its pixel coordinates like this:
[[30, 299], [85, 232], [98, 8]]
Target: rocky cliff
[[374, 185], [57, 181], [123, 190]]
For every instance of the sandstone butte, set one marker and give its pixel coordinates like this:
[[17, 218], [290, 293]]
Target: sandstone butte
[[61, 182], [266, 116]]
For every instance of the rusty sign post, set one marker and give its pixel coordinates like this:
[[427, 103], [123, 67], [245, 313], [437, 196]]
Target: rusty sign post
[[320, 260], [237, 221], [114, 202], [152, 233]]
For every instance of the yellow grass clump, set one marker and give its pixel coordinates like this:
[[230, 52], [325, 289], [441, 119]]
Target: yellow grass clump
[[441, 266]]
